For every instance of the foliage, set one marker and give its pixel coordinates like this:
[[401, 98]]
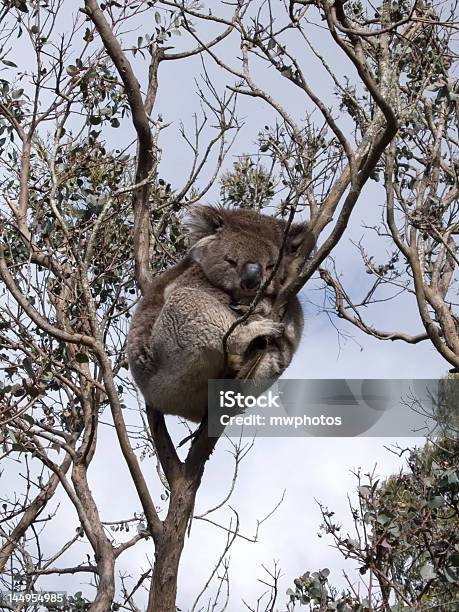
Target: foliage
[[406, 542], [247, 185]]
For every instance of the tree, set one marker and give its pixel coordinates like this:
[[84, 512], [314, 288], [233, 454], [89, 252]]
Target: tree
[[85, 223], [419, 175], [405, 543]]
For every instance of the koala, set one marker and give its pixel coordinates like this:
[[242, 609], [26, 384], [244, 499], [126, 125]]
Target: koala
[[175, 341]]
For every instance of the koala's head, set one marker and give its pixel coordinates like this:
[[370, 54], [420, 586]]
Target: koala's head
[[237, 249]]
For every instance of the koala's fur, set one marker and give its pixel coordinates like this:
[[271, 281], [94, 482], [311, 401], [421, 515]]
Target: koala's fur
[[175, 339]]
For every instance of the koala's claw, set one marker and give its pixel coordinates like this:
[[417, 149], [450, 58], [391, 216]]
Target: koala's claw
[[279, 330], [272, 329]]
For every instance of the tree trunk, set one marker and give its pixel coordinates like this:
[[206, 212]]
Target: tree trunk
[[184, 480], [106, 587], [163, 590]]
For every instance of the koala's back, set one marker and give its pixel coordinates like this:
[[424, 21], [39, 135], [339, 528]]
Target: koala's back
[[148, 310]]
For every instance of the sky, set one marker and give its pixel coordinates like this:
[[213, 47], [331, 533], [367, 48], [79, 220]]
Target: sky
[[307, 469]]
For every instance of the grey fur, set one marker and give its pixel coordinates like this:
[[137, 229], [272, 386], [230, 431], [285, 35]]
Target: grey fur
[[175, 339]]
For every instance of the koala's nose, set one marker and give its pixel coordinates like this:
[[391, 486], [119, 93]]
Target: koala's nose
[[251, 276]]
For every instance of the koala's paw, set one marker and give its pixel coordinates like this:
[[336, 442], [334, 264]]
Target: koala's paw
[[262, 310], [244, 335], [144, 359], [235, 362], [265, 327]]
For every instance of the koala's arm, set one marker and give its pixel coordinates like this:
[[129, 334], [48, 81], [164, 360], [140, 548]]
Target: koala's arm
[[196, 322], [184, 345], [270, 361]]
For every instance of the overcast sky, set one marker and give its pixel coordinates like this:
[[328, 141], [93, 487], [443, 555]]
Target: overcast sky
[[309, 469]]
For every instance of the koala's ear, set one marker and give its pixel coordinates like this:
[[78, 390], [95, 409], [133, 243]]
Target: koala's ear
[[204, 221], [299, 235], [199, 249]]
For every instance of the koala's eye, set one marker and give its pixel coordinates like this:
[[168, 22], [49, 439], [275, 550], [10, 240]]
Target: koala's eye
[[270, 266], [231, 262]]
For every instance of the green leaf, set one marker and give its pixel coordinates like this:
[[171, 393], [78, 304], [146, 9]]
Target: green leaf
[[394, 530], [17, 391], [27, 365], [157, 17], [286, 71], [453, 478], [88, 35], [28, 418], [32, 391], [435, 502], [368, 517], [9, 63], [383, 519], [442, 93], [452, 574], [20, 448], [427, 571], [81, 358]]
